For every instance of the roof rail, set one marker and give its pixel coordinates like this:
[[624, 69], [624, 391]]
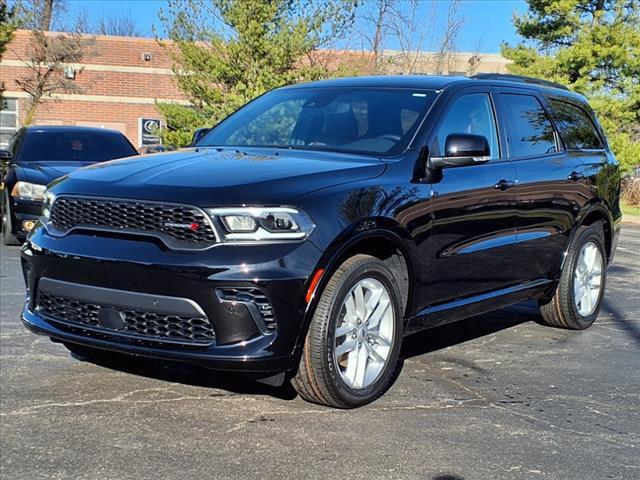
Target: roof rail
[[518, 78]]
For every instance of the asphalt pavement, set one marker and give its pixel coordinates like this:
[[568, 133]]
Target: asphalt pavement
[[493, 397]]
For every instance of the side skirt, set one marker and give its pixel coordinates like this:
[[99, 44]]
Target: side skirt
[[476, 305]]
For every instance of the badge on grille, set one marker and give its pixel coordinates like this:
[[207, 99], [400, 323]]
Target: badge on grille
[[111, 318], [191, 226]]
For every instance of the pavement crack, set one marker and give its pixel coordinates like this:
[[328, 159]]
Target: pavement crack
[[124, 398]]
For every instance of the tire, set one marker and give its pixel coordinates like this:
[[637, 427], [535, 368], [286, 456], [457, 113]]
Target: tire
[[562, 310], [328, 377], [8, 238]]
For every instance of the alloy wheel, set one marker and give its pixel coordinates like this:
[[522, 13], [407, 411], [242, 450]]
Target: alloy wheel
[[364, 333], [587, 279]]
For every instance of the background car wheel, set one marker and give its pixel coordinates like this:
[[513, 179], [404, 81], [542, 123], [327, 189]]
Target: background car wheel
[[8, 238], [578, 296], [351, 352]]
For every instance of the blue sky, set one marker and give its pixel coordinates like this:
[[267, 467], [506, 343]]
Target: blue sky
[[486, 21]]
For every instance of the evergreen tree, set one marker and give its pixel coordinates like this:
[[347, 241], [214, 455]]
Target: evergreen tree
[[592, 46]]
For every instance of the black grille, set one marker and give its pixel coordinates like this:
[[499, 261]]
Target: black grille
[[251, 296], [150, 325], [179, 226]]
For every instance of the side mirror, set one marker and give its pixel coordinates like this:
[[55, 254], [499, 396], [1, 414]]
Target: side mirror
[[198, 134], [462, 149], [5, 155]]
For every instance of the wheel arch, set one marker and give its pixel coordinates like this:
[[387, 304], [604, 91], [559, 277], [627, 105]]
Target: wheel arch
[[594, 213], [376, 237]]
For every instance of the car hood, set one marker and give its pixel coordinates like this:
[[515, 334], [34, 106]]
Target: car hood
[[214, 176], [43, 173]]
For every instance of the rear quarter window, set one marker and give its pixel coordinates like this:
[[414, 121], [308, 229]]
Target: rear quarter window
[[530, 130], [576, 127]]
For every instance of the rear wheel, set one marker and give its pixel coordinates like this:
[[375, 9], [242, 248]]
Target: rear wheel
[[351, 352], [578, 296], [8, 238]]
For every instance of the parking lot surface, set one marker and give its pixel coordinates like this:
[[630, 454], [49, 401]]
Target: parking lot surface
[[493, 397]]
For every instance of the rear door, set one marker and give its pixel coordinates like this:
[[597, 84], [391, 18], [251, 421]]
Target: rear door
[[472, 245], [551, 183]]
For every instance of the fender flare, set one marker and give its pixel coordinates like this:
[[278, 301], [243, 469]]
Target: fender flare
[[595, 207]]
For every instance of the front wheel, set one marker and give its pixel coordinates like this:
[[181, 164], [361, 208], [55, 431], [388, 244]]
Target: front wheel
[[351, 352], [578, 296]]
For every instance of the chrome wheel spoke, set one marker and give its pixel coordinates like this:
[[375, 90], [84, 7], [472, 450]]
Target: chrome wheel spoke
[[375, 355], [352, 363], [378, 313], [579, 292], [345, 329], [586, 300], [373, 299], [383, 342], [345, 347], [350, 307], [361, 306], [361, 367]]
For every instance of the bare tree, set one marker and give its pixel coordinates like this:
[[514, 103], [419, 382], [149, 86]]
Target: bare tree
[[41, 15], [410, 24], [376, 18], [51, 67], [476, 58], [449, 38], [122, 26]]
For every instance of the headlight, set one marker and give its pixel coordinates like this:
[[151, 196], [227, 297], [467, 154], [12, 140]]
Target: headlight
[[28, 190], [47, 203], [253, 224]]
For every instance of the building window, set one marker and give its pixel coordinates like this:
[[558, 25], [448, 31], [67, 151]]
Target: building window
[[8, 121]]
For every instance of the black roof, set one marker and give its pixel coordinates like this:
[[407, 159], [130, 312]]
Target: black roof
[[428, 82], [434, 82], [71, 129]]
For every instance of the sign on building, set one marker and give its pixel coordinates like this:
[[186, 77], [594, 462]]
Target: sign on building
[[149, 128]]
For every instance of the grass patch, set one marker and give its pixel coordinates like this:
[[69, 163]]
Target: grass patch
[[633, 211]]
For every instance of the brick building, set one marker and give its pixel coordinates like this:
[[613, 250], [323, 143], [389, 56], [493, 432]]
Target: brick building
[[123, 77]]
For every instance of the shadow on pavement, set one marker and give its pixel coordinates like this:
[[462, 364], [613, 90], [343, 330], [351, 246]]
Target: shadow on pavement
[[469, 329], [618, 317], [187, 374]]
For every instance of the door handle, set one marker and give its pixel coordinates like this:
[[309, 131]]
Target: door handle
[[504, 185], [575, 176]]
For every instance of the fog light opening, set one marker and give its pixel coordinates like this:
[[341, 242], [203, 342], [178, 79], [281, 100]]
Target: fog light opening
[[28, 225]]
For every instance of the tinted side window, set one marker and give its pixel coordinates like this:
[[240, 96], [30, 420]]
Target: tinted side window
[[530, 130], [578, 131], [471, 114]]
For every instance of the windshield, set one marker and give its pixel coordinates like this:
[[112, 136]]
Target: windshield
[[378, 121], [72, 146]]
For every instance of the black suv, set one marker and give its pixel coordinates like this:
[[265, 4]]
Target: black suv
[[37, 155], [307, 233]]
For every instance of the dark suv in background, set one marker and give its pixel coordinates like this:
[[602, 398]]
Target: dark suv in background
[[37, 155], [307, 233]]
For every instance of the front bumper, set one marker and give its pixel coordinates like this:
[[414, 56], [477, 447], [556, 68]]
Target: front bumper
[[147, 269]]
